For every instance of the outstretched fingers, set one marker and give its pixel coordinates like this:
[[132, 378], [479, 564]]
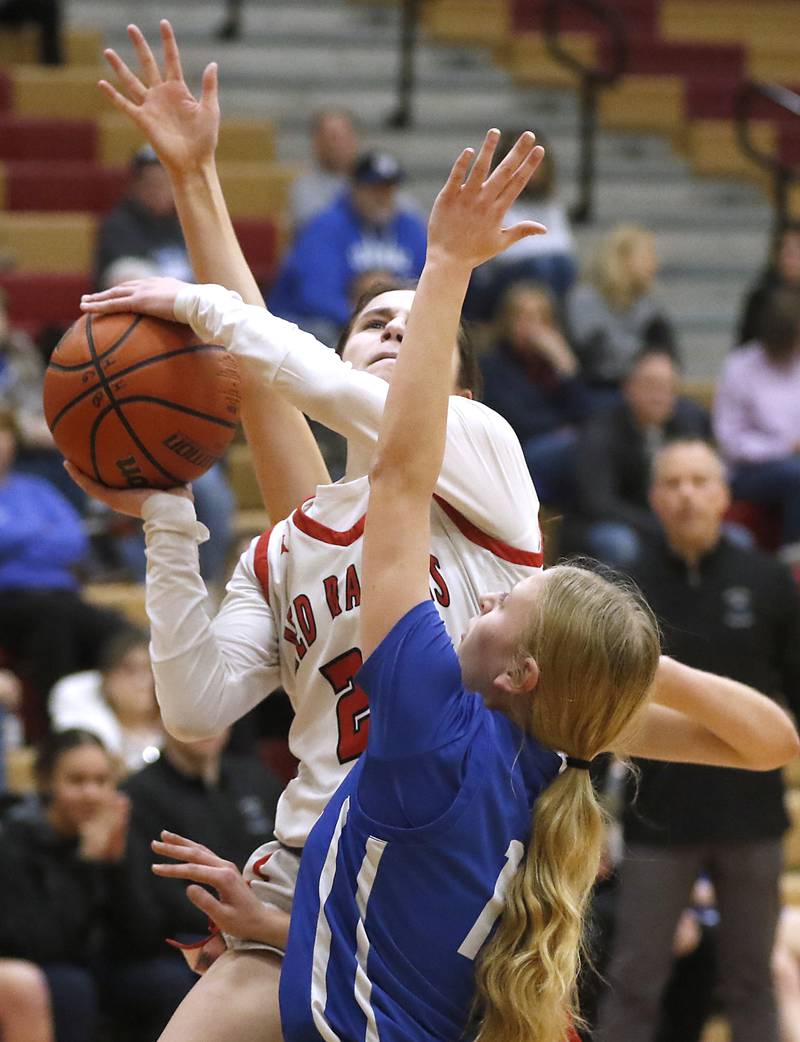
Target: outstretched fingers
[[483, 163], [128, 79], [459, 171], [169, 46], [150, 73], [517, 155], [509, 192], [210, 86]]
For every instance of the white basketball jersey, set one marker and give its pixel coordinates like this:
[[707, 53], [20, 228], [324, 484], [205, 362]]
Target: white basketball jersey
[[310, 566]]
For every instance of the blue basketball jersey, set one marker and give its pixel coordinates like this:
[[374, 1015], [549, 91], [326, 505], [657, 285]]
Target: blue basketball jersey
[[404, 875]]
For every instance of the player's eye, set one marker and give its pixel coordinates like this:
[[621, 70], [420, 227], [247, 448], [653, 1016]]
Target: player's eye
[[375, 323]]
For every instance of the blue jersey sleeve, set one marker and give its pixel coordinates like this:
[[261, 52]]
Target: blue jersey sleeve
[[413, 680], [421, 723]]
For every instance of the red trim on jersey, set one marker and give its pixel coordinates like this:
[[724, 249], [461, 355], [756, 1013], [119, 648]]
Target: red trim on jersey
[[213, 930], [531, 558], [317, 530], [261, 561]]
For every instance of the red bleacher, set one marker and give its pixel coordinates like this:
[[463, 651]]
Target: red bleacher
[[33, 138], [60, 186]]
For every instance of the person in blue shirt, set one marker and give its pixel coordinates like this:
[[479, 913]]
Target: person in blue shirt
[[365, 230], [441, 893], [46, 628]]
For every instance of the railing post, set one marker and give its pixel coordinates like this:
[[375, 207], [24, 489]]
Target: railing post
[[591, 81], [783, 175], [403, 115]]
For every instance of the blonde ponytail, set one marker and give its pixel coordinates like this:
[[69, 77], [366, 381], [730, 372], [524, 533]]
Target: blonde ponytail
[[596, 645]]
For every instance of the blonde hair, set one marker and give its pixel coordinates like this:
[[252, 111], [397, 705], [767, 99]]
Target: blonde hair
[[596, 645], [611, 271]]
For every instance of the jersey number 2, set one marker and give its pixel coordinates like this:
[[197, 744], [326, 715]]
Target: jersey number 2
[[352, 707]]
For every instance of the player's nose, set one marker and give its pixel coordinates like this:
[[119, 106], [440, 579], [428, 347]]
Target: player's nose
[[395, 329], [487, 602]]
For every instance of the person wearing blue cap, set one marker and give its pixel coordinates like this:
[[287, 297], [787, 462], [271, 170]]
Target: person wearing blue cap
[[366, 229]]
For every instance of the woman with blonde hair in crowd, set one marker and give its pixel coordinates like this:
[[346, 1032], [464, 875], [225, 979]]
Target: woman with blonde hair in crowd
[[614, 313]]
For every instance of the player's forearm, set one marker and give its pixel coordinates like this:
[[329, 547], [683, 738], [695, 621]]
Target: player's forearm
[[197, 695], [747, 721], [209, 234], [286, 458]]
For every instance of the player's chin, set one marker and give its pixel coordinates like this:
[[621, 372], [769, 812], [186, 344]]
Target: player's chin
[[383, 369]]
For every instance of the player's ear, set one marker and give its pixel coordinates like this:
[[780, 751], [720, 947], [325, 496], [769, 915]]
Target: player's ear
[[521, 679]]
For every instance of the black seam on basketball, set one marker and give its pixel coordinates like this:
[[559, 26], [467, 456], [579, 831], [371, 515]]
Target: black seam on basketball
[[166, 404], [87, 365], [113, 405], [190, 349]]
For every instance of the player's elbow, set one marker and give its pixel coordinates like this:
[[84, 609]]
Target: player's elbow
[[186, 725], [784, 747]]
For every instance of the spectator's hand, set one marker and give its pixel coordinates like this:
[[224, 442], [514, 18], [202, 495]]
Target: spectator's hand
[[103, 836], [10, 690], [181, 129], [124, 500], [236, 910], [466, 223], [552, 346], [152, 296]]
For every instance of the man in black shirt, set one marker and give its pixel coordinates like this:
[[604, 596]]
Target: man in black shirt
[[736, 612]]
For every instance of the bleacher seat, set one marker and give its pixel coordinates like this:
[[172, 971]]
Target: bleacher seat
[[40, 300], [50, 139], [240, 140], [48, 242], [43, 186]]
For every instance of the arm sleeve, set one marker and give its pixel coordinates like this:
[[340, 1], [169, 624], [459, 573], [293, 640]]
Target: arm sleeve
[[483, 475], [413, 680], [208, 673]]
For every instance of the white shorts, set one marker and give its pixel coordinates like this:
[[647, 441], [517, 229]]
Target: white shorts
[[272, 875]]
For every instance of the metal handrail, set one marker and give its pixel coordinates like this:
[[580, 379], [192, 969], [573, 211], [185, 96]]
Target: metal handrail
[[593, 79], [403, 114], [783, 174]]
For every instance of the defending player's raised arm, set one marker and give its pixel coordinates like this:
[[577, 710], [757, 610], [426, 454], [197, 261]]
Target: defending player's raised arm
[[465, 229], [184, 131], [698, 717]]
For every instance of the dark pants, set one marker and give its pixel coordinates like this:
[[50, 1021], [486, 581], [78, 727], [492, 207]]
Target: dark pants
[[73, 996], [774, 483], [44, 13], [143, 995], [655, 887]]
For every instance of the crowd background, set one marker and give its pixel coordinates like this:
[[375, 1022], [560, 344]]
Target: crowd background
[[693, 490]]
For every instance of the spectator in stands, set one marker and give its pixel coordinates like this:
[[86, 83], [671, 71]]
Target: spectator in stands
[[614, 314], [46, 14], [783, 270], [144, 224], [615, 451], [757, 417], [47, 630], [116, 701], [732, 611], [57, 873], [549, 260], [334, 142], [10, 725], [196, 789], [21, 377], [364, 229], [531, 378], [24, 1003]]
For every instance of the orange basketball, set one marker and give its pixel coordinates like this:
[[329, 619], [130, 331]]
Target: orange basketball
[[137, 402]]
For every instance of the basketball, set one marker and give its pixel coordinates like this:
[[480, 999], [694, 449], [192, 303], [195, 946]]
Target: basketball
[[137, 402]]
